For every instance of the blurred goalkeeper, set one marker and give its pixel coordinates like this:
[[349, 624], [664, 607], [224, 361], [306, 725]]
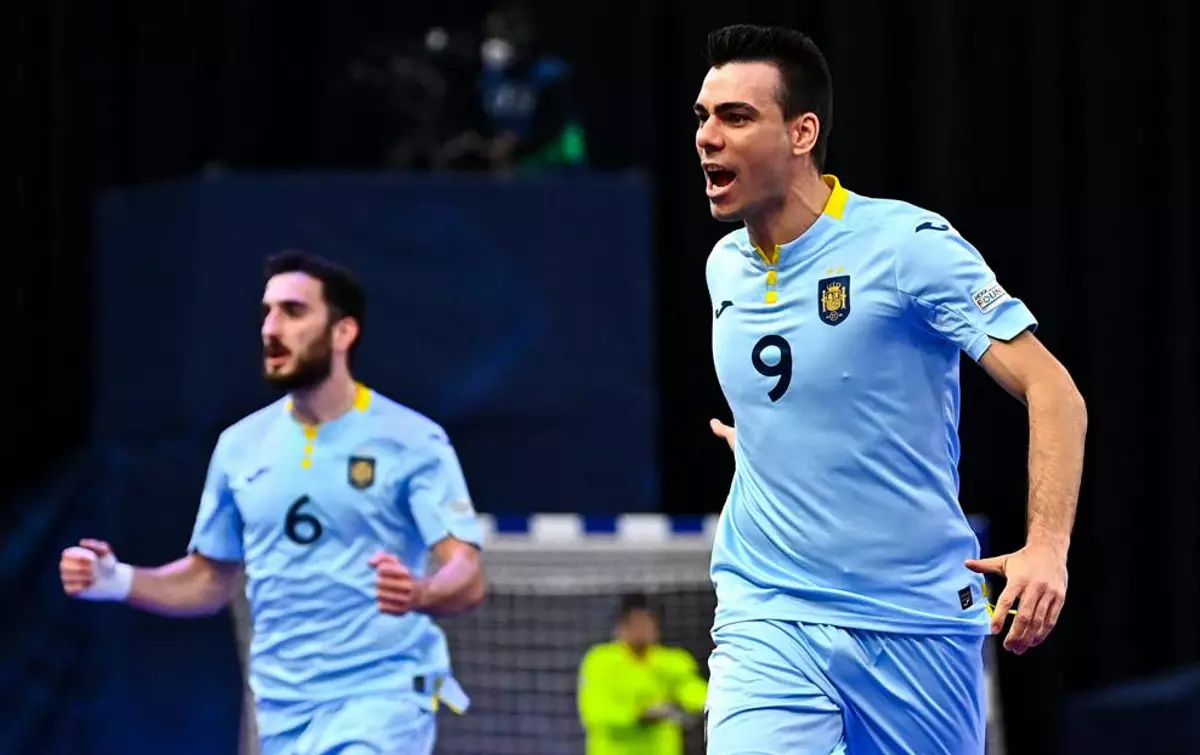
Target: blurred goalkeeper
[[332, 499], [635, 695]]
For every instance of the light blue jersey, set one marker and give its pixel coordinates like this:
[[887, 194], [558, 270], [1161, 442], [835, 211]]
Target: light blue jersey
[[305, 509], [838, 354]]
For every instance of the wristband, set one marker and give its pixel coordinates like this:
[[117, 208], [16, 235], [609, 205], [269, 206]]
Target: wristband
[[114, 580]]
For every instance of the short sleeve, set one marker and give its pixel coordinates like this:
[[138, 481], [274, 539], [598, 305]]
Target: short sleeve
[[217, 533], [438, 496], [944, 282]]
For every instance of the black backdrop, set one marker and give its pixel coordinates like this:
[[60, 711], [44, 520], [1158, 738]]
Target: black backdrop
[[1056, 135]]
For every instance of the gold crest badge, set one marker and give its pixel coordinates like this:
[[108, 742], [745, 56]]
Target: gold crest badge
[[361, 472], [833, 296]]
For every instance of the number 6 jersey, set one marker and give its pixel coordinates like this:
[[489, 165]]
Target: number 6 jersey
[[305, 509], [838, 354]]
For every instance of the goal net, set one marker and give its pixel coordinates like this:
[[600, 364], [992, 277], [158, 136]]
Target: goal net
[[553, 593], [554, 586]]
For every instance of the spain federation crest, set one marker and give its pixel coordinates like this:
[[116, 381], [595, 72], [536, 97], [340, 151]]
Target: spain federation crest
[[833, 299], [361, 472]]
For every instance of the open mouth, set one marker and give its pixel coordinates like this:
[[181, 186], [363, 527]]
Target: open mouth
[[719, 179], [276, 355], [277, 362]]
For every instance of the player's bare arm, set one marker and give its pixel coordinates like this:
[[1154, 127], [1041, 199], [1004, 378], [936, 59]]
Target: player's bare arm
[[1037, 574], [192, 586], [456, 585]]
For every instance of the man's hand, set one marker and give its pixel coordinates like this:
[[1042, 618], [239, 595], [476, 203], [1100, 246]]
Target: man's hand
[[722, 430], [77, 567], [663, 712], [91, 571], [1037, 576], [396, 589]]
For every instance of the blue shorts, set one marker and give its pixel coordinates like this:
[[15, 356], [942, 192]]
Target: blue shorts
[[404, 724], [782, 688]]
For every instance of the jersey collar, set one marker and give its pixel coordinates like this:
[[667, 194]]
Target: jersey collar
[[838, 197], [362, 402], [833, 212]]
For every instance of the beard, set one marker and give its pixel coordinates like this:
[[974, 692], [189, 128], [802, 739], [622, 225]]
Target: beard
[[311, 366]]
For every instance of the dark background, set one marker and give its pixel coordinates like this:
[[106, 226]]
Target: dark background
[[1057, 136]]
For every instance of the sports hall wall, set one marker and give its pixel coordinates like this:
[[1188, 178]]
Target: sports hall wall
[[500, 309]]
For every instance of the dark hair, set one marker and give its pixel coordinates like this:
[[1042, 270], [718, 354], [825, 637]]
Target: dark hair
[[807, 86], [632, 603], [340, 288]]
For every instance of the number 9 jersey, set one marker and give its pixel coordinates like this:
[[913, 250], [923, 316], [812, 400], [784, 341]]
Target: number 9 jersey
[[305, 509], [838, 354]]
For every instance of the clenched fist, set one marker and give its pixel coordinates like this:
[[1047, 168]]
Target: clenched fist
[[397, 591], [91, 571]]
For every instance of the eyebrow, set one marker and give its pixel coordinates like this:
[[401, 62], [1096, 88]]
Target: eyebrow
[[284, 303], [726, 107]]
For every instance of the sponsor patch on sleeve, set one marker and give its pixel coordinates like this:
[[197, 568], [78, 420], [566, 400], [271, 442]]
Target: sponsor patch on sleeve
[[989, 297]]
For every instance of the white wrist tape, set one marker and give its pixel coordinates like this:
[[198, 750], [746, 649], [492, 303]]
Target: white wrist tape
[[114, 580]]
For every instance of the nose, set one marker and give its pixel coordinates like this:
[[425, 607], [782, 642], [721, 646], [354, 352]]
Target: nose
[[708, 138], [270, 325]]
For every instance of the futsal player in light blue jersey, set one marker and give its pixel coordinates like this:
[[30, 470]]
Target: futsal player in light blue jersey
[[850, 614], [332, 500]]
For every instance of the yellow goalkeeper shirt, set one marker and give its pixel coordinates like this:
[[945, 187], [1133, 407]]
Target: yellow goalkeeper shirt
[[617, 687]]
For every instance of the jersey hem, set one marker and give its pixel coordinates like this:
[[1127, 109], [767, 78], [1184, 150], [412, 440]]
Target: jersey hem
[[1002, 331], [1019, 320], [966, 628], [217, 554], [979, 346], [397, 688]]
